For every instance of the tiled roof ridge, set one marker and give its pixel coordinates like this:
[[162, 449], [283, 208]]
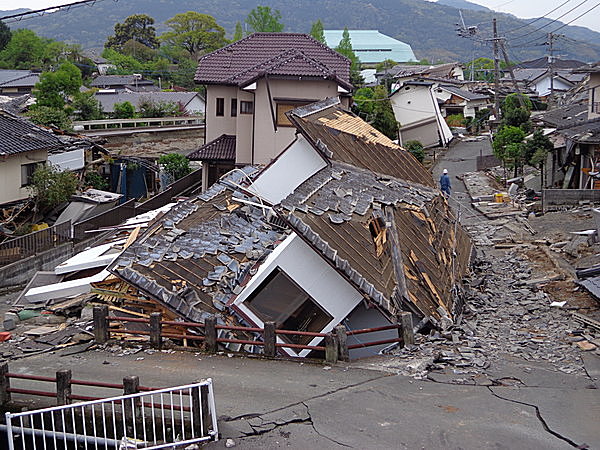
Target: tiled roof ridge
[[313, 108]]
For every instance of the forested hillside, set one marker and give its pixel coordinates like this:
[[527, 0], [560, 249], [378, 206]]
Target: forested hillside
[[429, 27]]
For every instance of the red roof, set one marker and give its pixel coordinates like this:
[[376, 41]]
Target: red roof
[[220, 149], [275, 54]]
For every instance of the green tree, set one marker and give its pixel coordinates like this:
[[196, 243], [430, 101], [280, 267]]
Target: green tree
[[25, 50], [536, 151], [5, 35], [262, 19], [124, 110], [383, 115], [149, 108], [54, 88], [138, 51], [175, 165], [416, 149], [87, 107], [317, 31], [96, 181], [384, 67], [344, 48], [363, 103], [50, 187], [508, 146], [195, 32], [50, 117], [125, 64], [238, 33], [516, 111], [138, 27]]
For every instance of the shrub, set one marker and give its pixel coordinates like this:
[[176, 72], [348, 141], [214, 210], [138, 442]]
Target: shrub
[[416, 148]]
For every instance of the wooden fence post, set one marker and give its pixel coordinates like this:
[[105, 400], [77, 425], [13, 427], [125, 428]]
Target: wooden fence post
[[342, 338], [63, 387], [131, 385], [210, 334], [4, 384], [156, 330], [406, 329], [331, 349], [269, 338], [100, 316], [204, 401]]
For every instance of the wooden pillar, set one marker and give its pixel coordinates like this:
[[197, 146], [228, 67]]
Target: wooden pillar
[[4, 384], [156, 330], [197, 412], [131, 385], [406, 328], [210, 334], [269, 338], [331, 349], [63, 387], [206, 419], [342, 338], [101, 333]]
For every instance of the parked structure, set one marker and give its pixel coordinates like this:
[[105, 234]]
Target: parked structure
[[131, 83], [418, 114], [342, 227], [252, 83], [188, 102], [373, 47], [14, 83]]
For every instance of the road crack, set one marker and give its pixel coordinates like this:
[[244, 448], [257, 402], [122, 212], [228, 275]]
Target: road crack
[[541, 419], [312, 423]]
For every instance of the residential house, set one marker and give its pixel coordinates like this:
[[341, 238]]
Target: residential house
[[448, 73], [14, 83], [23, 146], [372, 47], [102, 64], [417, 111], [189, 102], [252, 83], [575, 132], [541, 82], [342, 227], [454, 100], [131, 83]]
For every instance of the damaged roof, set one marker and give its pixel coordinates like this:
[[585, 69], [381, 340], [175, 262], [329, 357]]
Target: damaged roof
[[564, 117], [200, 253], [342, 136], [278, 54], [333, 210], [19, 135]]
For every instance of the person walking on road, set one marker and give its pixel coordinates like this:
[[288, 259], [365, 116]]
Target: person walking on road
[[445, 183]]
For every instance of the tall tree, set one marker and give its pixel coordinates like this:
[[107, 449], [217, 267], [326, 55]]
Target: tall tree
[[345, 48], [384, 119], [262, 19], [195, 32], [317, 32], [54, 88], [238, 33], [138, 27], [24, 51], [5, 35]]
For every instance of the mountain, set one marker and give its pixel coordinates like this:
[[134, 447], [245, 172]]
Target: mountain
[[430, 28], [463, 4]]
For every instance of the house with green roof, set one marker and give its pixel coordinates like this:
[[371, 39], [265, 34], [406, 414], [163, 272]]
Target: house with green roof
[[373, 47]]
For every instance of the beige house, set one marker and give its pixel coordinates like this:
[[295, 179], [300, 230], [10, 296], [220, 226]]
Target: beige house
[[22, 147], [251, 84]]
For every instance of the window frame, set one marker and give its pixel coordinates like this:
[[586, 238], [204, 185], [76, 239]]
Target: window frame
[[234, 107], [29, 167], [219, 107], [246, 107]]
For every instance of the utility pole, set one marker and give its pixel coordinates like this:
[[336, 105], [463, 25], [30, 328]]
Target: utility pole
[[496, 72], [512, 74], [550, 43]]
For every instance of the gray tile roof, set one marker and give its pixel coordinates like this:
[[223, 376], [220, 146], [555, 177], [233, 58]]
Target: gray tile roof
[[219, 149], [108, 100], [7, 74], [18, 135], [564, 117], [467, 95], [28, 80], [117, 80]]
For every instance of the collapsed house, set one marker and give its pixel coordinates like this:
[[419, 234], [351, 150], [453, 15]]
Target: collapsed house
[[343, 227]]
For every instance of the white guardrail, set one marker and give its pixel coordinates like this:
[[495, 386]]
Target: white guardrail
[[164, 418]]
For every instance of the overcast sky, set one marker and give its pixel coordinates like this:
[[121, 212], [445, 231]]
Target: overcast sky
[[520, 8]]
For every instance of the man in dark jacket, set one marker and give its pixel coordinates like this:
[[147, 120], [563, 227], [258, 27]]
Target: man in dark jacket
[[445, 183]]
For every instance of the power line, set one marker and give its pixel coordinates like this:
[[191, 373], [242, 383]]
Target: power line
[[49, 10], [539, 18]]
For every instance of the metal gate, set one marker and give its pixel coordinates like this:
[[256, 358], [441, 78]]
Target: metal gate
[[164, 418]]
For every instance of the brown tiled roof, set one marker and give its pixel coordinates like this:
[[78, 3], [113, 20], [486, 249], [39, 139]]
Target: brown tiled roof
[[276, 54], [220, 149], [349, 139]]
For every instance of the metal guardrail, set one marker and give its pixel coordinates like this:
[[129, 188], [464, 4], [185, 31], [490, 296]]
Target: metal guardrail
[[107, 124], [165, 418], [33, 243]]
